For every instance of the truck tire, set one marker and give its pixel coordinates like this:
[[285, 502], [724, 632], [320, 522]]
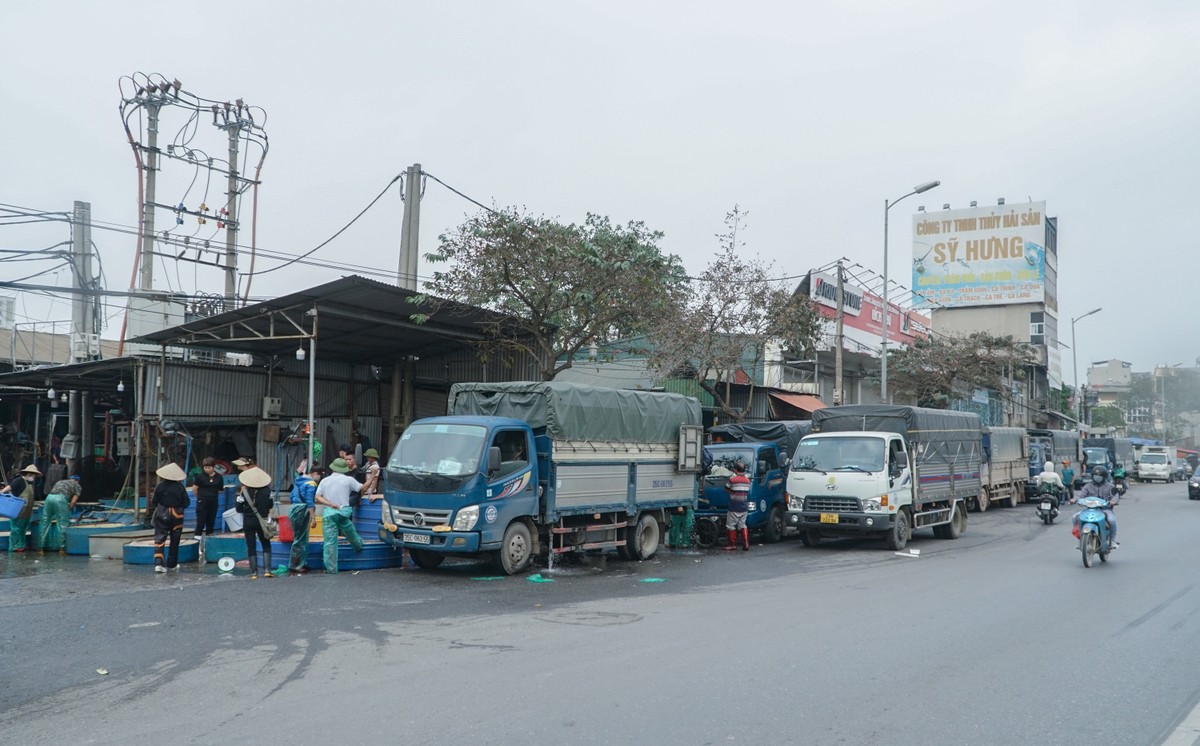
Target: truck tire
[[516, 549], [425, 559], [641, 540], [897, 535], [1014, 499], [953, 529], [982, 501], [810, 538], [776, 523]]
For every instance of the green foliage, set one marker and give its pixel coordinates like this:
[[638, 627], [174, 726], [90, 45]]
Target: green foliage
[[562, 285], [933, 371], [733, 310], [1107, 416]]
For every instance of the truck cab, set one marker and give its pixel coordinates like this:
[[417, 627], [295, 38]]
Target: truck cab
[[848, 482], [454, 484], [765, 465]]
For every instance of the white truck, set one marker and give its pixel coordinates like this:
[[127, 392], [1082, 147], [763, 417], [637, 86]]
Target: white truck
[[1157, 462], [883, 470]]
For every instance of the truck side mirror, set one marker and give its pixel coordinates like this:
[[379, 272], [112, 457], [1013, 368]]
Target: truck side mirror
[[762, 467], [493, 460]]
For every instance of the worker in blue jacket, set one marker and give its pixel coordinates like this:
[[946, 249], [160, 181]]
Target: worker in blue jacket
[[302, 517]]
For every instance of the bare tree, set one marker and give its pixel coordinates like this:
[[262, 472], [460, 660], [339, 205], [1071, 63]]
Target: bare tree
[[735, 308], [933, 371]]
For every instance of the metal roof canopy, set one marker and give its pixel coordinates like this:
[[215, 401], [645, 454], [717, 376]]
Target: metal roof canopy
[[356, 320], [92, 375]]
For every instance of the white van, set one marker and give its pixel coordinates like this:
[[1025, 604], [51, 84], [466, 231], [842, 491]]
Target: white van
[[1157, 462]]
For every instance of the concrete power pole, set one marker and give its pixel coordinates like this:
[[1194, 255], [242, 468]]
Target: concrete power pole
[[146, 278], [84, 339], [838, 391], [231, 230], [403, 396]]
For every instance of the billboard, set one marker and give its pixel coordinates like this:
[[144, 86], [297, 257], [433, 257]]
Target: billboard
[[980, 256], [862, 315]]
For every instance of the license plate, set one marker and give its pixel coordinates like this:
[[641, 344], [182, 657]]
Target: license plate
[[829, 518], [415, 538], [1045, 506]]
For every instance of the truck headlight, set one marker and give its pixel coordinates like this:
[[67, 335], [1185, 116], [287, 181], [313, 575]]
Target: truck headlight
[[795, 502], [751, 506], [872, 505], [466, 518]]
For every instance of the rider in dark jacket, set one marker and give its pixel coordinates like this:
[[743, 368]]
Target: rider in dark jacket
[[1100, 487]]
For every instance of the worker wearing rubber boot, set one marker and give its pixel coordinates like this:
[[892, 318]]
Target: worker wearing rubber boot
[[170, 499], [302, 516], [56, 514], [333, 493], [22, 487], [738, 488]]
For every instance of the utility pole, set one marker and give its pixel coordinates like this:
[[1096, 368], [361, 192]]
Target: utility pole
[[234, 130], [83, 333], [838, 391], [403, 390], [146, 281]]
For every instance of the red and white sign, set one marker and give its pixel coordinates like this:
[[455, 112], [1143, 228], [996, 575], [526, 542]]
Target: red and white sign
[[862, 318]]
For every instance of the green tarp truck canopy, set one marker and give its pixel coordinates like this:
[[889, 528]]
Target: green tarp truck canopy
[[570, 411]]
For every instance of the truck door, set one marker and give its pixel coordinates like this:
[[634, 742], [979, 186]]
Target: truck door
[[898, 466], [770, 477], [514, 481]]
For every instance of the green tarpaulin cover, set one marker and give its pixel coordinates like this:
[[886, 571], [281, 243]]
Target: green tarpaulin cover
[[571, 411]]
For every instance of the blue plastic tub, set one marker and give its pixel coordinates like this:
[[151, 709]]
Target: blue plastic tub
[[10, 507]]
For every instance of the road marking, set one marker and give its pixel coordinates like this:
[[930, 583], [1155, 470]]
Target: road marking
[[144, 624], [1187, 732]]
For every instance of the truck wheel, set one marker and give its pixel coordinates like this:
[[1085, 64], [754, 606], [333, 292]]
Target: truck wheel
[[810, 538], [957, 524], [641, 541], [1015, 498], [897, 535], [776, 522], [707, 533], [425, 559], [515, 549], [982, 501]]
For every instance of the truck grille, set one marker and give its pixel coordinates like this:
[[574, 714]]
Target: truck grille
[[428, 518], [832, 504]]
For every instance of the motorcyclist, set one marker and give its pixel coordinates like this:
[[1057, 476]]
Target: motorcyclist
[[1100, 487], [1049, 479]]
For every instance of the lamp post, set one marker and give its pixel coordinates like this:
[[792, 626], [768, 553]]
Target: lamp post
[[1075, 359], [883, 360]]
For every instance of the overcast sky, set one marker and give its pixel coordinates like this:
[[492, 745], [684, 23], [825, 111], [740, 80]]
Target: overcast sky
[[808, 115]]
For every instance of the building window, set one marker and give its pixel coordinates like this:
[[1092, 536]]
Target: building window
[[1037, 327]]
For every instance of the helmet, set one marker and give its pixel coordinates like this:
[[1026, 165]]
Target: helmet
[[1048, 466], [1099, 474]]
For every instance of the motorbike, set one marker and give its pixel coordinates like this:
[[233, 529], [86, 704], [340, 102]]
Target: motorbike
[[1092, 530], [1049, 498]]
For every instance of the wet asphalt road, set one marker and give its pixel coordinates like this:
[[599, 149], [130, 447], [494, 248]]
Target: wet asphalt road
[[999, 637]]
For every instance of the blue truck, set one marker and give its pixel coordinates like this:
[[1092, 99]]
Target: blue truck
[[765, 448], [519, 469]]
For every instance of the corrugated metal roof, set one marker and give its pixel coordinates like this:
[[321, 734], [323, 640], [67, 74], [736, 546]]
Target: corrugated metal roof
[[29, 347]]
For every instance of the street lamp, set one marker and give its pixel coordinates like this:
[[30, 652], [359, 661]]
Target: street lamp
[[883, 392], [1075, 359]]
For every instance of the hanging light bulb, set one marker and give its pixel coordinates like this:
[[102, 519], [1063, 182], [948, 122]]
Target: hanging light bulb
[[50, 393], [300, 352], [121, 385], [63, 398]]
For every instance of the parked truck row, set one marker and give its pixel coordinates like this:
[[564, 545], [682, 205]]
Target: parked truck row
[[515, 470]]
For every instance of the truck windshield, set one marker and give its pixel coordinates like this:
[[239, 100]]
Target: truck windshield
[[1096, 456], [443, 450], [1154, 458], [839, 454], [724, 460]]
